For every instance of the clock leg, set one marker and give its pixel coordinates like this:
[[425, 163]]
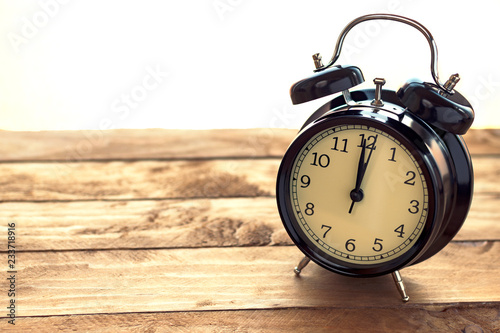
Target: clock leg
[[303, 263], [400, 285]]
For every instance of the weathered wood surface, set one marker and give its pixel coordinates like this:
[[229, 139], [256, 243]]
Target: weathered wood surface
[[180, 223], [87, 282], [76, 146], [450, 318], [167, 179], [158, 230]]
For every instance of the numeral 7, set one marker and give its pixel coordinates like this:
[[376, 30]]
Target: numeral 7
[[327, 229]]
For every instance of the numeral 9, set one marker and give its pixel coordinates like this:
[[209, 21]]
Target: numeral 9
[[305, 180]]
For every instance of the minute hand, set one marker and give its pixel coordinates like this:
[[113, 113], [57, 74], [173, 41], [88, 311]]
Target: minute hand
[[356, 194], [361, 167]]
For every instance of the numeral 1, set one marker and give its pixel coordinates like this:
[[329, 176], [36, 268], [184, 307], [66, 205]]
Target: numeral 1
[[393, 155]]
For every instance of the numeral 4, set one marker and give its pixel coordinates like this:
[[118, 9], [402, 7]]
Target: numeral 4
[[400, 230]]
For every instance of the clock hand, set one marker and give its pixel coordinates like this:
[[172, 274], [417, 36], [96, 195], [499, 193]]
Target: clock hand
[[357, 194], [361, 167]]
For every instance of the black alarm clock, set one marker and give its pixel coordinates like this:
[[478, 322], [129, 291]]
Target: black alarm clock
[[376, 180]]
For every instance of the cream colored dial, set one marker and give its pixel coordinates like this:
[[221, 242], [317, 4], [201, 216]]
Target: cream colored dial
[[359, 194]]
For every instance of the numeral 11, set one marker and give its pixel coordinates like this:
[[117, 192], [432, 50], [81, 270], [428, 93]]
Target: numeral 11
[[336, 140]]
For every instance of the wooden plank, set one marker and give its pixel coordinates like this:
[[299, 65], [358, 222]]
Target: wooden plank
[[483, 141], [179, 223], [99, 282], [482, 221], [143, 144], [168, 144], [486, 174], [166, 179], [138, 180], [144, 224], [478, 318]]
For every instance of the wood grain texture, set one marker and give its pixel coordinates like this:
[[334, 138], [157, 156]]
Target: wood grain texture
[[75, 146], [486, 174], [137, 180], [167, 179], [93, 282], [424, 319], [483, 141], [161, 230], [179, 223], [145, 224]]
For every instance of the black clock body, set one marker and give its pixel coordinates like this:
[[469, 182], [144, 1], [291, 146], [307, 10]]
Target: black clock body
[[441, 156]]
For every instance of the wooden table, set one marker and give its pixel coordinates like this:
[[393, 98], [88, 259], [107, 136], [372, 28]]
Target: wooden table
[[165, 230]]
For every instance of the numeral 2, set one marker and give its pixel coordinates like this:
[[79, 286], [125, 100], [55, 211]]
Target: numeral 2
[[412, 177]]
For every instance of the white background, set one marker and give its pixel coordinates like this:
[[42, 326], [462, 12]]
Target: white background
[[222, 63]]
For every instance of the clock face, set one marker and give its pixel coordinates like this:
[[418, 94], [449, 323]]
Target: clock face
[[359, 194]]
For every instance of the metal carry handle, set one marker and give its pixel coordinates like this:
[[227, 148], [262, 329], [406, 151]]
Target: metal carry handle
[[448, 86]]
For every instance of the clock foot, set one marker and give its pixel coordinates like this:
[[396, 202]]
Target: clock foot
[[400, 285], [303, 263]]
